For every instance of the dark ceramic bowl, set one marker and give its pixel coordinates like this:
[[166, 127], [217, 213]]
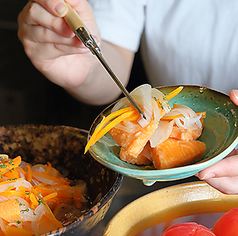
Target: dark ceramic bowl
[[64, 147]]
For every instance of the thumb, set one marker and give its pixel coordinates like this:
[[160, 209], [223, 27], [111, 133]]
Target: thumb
[[234, 96]]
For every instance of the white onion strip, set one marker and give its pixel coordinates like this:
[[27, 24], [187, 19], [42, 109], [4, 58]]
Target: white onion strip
[[189, 120], [162, 133]]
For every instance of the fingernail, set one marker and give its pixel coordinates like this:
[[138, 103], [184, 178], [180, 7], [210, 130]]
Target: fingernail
[[235, 93], [60, 8], [208, 176]]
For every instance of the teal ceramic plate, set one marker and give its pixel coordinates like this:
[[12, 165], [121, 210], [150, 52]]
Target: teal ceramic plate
[[220, 134]]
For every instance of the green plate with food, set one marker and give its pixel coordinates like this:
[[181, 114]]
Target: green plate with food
[[187, 128]]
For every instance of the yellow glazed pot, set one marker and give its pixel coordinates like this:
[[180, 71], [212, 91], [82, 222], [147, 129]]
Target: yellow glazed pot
[[167, 204]]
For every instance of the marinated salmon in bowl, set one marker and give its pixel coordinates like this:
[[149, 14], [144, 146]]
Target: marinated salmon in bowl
[[168, 136]]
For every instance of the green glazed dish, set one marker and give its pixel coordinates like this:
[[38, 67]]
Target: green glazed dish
[[220, 135]]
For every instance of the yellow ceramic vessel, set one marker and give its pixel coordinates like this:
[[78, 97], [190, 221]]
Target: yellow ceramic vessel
[[167, 204]]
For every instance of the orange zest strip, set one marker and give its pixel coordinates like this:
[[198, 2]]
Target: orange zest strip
[[174, 93], [28, 173], [23, 189], [47, 171], [33, 199], [10, 193], [6, 165], [109, 118], [204, 114], [12, 174], [133, 117], [96, 137], [61, 195], [11, 181], [48, 208], [52, 195], [13, 230]]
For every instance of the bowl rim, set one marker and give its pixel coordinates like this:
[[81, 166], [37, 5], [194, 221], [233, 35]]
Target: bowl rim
[[163, 203], [165, 174], [92, 211]]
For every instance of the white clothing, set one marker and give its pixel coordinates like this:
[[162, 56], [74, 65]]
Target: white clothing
[[182, 41]]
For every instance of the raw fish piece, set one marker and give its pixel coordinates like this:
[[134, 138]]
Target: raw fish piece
[[174, 153]]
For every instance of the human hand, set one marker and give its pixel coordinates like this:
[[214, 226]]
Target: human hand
[[223, 175], [50, 43]]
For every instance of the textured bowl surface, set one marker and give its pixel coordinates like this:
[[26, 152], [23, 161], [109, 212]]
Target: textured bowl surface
[[64, 147], [220, 134], [165, 205]]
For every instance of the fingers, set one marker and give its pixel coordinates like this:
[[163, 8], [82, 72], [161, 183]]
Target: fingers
[[234, 96], [38, 23], [225, 185], [223, 175], [227, 167], [35, 15], [55, 7]]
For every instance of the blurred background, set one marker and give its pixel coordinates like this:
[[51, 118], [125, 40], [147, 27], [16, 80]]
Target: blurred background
[[27, 97]]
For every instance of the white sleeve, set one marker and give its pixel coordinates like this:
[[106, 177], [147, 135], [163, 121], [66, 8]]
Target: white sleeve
[[121, 22]]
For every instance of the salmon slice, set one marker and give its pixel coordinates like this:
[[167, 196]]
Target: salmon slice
[[186, 134], [132, 136], [142, 159], [174, 153]]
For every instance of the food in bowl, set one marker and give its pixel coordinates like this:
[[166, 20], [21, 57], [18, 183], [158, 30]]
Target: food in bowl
[[167, 137], [37, 199], [63, 147]]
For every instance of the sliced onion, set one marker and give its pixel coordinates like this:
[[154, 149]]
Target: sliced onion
[[156, 110], [40, 168], [128, 126], [162, 98], [43, 179], [39, 212], [190, 119], [42, 227], [142, 96], [162, 133], [26, 213], [121, 103], [17, 183], [144, 99], [189, 123]]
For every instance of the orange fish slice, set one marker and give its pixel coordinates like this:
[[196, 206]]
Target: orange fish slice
[[134, 141], [142, 159], [174, 153], [186, 134]]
